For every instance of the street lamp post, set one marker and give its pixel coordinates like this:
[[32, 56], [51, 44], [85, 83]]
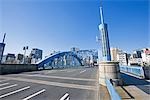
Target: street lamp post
[[24, 48]]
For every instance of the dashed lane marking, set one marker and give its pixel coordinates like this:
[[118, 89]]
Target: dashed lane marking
[[13, 92], [35, 94], [83, 71]]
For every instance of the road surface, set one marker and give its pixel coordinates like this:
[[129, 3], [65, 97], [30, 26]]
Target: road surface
[[79, 83]]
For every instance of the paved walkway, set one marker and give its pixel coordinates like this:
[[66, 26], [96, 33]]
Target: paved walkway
[[104, 94], [134, 88]]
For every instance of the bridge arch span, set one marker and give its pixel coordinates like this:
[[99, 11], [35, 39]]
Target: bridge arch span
[[51, 58]]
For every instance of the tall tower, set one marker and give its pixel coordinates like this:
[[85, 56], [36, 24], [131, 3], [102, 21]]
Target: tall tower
[[104, 37], [108, 70], [2, 46]]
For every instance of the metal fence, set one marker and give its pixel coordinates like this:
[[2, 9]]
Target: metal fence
[[133, 70], [113, 93]]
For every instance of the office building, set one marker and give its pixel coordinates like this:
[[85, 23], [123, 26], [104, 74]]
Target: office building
[[114, 52], [9, 59], [119, 55], [36, 55], [145, 53], [74, 49], [19, 58]]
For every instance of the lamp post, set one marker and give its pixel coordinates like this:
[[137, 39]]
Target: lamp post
[[24, 48]]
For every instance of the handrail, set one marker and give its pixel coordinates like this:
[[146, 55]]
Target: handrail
[[113, 93]]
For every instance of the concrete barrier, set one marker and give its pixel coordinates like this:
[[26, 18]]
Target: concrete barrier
[[16, 68], [136, 70], [146, 72], [109, 70]]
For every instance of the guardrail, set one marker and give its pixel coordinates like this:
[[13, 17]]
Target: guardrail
[[133, 70], [16, 68], [113, 93]]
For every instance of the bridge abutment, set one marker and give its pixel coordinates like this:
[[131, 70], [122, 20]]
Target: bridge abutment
[[109, 70]]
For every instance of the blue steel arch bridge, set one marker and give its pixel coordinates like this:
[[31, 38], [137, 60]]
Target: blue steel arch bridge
[[66, 59]]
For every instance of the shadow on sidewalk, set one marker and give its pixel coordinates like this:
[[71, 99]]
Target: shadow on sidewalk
[[140, 83]]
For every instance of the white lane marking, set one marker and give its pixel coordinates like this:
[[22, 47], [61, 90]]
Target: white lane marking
[[65, 97], [77, 86], [13, 92], [8, 87], [69, 78], [4, 84], [83, 71], [3, 80], [35, 94]]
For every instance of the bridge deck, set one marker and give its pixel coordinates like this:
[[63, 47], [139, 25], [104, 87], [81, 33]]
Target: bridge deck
[[104, 94]]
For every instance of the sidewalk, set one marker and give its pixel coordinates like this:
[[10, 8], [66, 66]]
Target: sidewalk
[[134, 88]]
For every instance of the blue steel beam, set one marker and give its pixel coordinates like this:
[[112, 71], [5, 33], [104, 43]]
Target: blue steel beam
[[52, 57]]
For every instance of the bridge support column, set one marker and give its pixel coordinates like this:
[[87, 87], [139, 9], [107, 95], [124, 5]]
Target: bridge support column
[[109, 70]]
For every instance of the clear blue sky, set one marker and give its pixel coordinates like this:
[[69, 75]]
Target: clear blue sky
[[62, 24]]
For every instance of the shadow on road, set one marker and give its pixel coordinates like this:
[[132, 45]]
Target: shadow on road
[[140, 83]]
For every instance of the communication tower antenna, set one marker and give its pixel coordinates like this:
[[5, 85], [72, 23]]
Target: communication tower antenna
[[4, 37]]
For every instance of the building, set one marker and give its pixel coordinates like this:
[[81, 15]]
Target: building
[[35, 55], [74, 49], [122, 58], [137, 54], [9, 59], [114, 52], [135, 61], [19, 58], [119, 55], [89, 57], [136, 58], [145, 53], [2, 46]]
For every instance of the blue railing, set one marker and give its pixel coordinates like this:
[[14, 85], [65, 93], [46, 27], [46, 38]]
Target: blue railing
[[113, 93], [133, 70]]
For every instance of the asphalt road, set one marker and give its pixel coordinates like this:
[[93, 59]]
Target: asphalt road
[[79, 83]]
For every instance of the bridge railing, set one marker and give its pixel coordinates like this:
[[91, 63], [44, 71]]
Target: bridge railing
[[133, 70], [113, 93]]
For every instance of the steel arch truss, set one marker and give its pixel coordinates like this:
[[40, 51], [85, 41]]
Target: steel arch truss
[[58, 57]]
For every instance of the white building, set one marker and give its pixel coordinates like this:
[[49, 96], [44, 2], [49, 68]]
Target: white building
[[119, 55], [114, 52], [36, 55], [122, 58], [146, 56], [135, 61]]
